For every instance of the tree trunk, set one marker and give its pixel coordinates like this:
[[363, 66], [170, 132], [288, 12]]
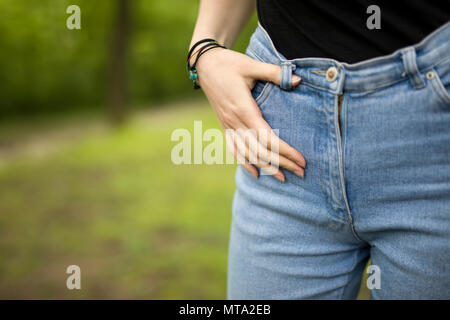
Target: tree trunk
[[117, 91]]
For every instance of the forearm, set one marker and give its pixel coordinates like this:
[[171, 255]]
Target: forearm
[[222, 20]]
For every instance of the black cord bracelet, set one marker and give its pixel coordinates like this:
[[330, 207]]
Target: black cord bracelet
[[212, 44], [204, 50], [197, 44]]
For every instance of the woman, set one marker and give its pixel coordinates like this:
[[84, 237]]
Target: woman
[[358, 90]]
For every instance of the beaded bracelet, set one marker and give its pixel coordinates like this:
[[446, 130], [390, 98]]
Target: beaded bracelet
[[210, 44]]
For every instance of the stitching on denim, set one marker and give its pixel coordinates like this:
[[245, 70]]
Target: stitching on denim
[[317, 87], [268, 88], [256, 56], [344, 134], [382, 86], [341, 176], [390, 83], [440, 90], [437, 63], [324, 171], [330, 195], [261, 94], [286, 76], [409, 60], [332, 120], [319, 72], [368, 62], [338, 134]]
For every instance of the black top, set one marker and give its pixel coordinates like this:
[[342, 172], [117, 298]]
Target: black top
[[343, 30]]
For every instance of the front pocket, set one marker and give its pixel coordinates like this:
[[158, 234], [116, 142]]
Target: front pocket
[[261, 91], [439, 79]]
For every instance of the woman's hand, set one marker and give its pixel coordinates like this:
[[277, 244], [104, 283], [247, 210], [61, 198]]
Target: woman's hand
[[227, 78]]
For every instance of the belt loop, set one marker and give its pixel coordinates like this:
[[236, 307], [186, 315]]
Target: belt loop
[[410, 66], [286, 75]]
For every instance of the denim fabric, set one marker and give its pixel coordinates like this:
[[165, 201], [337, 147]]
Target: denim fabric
[[377, 181]]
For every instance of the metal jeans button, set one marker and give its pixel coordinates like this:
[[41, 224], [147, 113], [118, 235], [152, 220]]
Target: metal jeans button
[[332, 74]]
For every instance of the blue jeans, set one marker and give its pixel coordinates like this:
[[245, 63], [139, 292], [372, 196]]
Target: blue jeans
[[376, 138]]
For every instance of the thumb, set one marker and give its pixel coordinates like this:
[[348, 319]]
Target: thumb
[[270, 73]]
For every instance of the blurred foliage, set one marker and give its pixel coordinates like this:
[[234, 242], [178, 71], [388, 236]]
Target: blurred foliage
[[44, 67]]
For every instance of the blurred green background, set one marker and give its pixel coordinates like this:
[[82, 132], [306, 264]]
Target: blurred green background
[[85, 171]]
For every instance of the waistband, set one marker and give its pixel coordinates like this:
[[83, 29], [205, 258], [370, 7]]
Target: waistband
[[411, 63]]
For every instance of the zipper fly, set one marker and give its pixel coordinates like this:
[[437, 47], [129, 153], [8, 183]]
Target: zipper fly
[[340, 98]]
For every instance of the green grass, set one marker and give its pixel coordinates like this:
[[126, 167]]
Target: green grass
[[112, 202], [74, 191]]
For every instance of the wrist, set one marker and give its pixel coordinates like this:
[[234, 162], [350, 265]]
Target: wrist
[[206, 57], [198, 49]]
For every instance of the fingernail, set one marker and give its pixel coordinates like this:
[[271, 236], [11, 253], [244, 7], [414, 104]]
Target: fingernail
[[300, 173], [280, 177], [296, 79], [302, 164]]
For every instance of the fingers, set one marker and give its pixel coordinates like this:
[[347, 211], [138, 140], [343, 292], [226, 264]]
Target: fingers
[[269, 72], [259, 154], [232, 148], [285, 150], [249, 152], [261, 149], [273, 171], [275, 144], [292, 166], [254, 143], [272, 73], [248, 159], [291, 153], [251, 169]]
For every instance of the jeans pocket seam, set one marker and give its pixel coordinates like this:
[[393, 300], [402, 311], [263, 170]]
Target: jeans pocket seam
[[439, 89], [252, 54], [262, 97]]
